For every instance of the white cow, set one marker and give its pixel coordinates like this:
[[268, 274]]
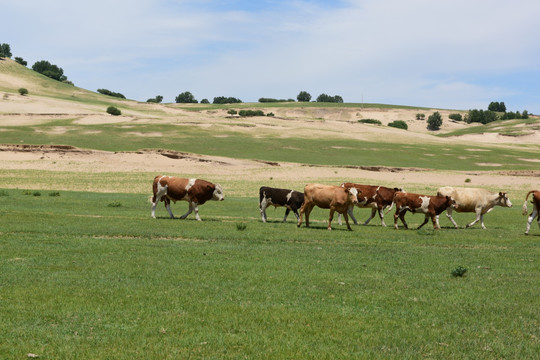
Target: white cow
[[479, 201]]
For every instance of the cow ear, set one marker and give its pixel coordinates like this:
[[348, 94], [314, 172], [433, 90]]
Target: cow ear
[[501, 194]]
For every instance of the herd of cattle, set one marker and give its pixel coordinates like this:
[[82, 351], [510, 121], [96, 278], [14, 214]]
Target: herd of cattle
[[342, 199]]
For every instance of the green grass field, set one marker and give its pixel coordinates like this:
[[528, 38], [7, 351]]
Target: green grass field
[[92, 275]]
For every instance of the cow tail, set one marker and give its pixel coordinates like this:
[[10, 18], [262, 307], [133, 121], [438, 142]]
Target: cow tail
[[524, 209]]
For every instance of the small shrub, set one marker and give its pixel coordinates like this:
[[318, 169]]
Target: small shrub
[[370, 121], [420, 116], [241, 226], [270, 114], [36, 193], [459, 271], [400, 124], [3, 193], [467, 180], [115, 204], [456, 117], [27, 192], [54, 193], [247, 113], [23, 91], [232, 112], [205, 101], [434, 121], [113, 111]]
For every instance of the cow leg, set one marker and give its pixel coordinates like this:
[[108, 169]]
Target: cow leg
[[373, 212], [449, 216], [262, 206], [478, 216], [308, 211], [482, 221], [156, 198], [381, 216], [350, 211], [530, 220], [286, 214], [303, 209], [426, 218], [296, 214], [190, 210], [330, 217], [402, 217], [396, 215], [168, 207], [347, 221]]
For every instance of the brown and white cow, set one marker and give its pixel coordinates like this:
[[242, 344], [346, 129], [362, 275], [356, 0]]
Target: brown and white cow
[[536, 209], [195, 191], [290, 199], [425, 204], [335, 198], [377, 198], [479, 201]]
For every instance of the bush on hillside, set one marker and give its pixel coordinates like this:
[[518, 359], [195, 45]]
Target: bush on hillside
[[21, 61], [400, 124], [247, 113], [226, 100], [271, 100], [52, 71], [456, 117], [370, 121], [23, 91], [480, 116], [328, 98], [185, 98], [110, 93], [497, 106], [205, 101], [5, 51], [434, 121], [113, 111], [420, 116], [158, 99]]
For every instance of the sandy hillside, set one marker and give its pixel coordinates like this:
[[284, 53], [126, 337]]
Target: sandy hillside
[[16, 110]]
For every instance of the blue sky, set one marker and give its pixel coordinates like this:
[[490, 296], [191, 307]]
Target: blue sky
[[457, 54]]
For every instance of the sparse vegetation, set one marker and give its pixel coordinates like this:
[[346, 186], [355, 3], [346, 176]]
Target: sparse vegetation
[[158, 99], [370, 121], [110, 93], [113, 111], [434, 121], [20, 61], [303, 96], [400, 124], [420, 116]]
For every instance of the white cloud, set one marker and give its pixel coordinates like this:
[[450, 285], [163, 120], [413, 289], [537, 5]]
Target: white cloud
[[419, 52]]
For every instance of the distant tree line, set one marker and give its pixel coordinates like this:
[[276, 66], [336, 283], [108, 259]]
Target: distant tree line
[[493, 113]]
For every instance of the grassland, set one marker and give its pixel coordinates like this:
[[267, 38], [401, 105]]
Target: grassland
[[91, 275]]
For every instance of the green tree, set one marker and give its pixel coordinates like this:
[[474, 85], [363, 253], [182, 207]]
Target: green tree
[[304, 96], [113, 111], [186, 98], [400, 124], [20, 60], [497, 106], [23, 91], [327, 98], [456, 117], [46, 68], [434, 121], [158, 99], [5, 51]]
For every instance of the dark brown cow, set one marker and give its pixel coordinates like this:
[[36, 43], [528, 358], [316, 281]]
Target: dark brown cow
[[377, 198], [335, 198], [194, 191], [536, 209], [290, 199], [429, 205]]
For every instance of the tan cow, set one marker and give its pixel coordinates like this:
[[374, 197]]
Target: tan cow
[[479, 201], [194, 191], [335, 198], [536, 209], [425, 204], [377, 198]]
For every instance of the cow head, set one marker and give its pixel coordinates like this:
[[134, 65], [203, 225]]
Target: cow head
[[218, 193], [503, 200], [451, 202], [353, 194]]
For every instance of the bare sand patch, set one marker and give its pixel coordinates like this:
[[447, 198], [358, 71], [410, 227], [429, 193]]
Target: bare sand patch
[[149, 134]]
